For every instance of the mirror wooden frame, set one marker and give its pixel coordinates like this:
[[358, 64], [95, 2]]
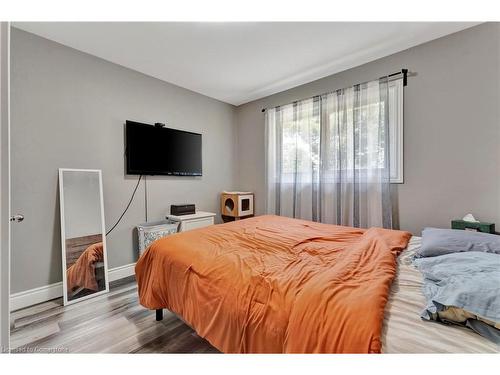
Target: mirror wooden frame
[[63, 236]]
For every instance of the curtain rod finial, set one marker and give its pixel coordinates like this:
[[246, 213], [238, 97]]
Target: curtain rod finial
[[405, 76]]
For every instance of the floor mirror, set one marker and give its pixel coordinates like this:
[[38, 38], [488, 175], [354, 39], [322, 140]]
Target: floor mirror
[[83, 236]]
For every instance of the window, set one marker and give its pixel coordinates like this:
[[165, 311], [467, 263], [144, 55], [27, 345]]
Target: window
[[332, 158], [299, 132]]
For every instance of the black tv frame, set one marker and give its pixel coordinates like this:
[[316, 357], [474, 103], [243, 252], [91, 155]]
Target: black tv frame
[[130, 171]]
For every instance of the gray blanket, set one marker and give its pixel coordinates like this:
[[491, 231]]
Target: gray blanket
[[470, 281]]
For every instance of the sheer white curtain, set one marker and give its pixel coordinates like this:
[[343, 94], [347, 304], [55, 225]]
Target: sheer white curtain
[[328, 158]]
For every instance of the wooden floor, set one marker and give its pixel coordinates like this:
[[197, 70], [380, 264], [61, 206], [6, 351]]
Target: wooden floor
[[110, 323]]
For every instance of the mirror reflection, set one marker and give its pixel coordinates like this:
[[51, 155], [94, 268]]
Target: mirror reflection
[[83, 237]]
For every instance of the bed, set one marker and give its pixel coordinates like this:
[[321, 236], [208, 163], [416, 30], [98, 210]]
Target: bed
[[271, 284], [403, 329]]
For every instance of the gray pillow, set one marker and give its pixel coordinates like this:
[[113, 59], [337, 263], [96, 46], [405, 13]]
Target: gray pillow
[[446, 241]]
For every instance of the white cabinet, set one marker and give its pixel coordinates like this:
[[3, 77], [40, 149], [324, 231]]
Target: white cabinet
[[198, 220]]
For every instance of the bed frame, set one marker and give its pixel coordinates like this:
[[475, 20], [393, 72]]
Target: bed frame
[[159, 314]]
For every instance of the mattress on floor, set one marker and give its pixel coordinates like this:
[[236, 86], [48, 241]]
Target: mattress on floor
[[405, 332]]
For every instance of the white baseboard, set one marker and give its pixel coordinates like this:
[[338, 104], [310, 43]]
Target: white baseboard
[[121, 272], [45, 293], [36, 295]]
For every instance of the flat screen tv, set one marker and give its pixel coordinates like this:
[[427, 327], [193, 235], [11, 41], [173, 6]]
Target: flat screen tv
[[152, 150]]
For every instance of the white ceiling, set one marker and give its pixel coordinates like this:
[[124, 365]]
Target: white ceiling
[[240, 62]]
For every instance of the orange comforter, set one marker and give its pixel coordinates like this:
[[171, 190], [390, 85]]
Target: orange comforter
[[271, 284], [82, 273]]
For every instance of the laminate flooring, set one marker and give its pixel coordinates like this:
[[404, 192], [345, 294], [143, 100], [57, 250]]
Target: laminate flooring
[[111, 323]]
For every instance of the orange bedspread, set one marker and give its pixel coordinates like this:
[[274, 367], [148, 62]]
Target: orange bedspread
[[271, 284], [82, 273]]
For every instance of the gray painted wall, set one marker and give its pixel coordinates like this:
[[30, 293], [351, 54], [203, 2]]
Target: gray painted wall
[[451, 128], [68, 110]]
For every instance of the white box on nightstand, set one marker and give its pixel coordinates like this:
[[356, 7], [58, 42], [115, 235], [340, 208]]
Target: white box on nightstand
[[198, 220]]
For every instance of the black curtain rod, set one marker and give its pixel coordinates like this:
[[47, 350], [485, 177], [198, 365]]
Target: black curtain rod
[[404, 72]]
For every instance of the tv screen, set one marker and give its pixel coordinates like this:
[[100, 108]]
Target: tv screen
[[153, 150]]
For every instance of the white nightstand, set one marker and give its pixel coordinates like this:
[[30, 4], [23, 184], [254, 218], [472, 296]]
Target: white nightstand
[[198, 220]]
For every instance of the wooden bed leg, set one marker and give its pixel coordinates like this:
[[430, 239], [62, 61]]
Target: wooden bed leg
[[159, 314]]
